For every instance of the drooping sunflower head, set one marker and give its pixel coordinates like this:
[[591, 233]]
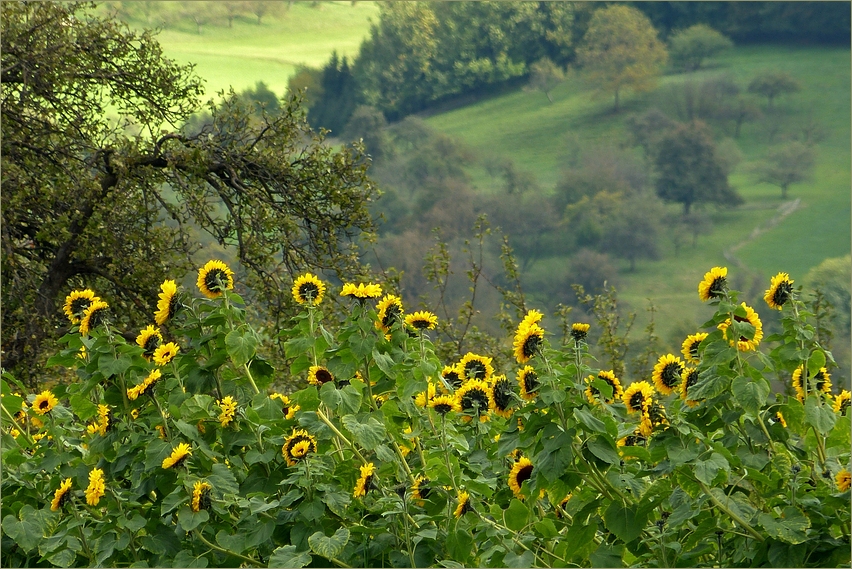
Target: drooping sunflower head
[[168, 303], [178, 456], [464, 505], [134, 392], [638, 396], [798, 386], [443, 404], [689, 348], [319, 375], [77, 302], [362, 291], [780, 418], [365, 481], [452, 376], [751, 341], [843, 480], [780, 291], [228, 408], [61, 496], [288, 408], [149, 340], [165, 353], [528, 341], [96, 488], [634, 440], [521, 471], [421, 320], [667, 372], [93, 316], [106, 421], [420, 489], [308, 289], [592, 393], [475, 367], [44, 402], [475, 398], [501, 395], [423, 398], [714, 285], [821, 382], [297, 446], [842, 402], [214, 278], [689, 377], [389, 312], [579, 331], [201, 499], [528, 382]]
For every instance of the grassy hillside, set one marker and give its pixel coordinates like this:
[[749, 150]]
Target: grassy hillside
[[534, 133]]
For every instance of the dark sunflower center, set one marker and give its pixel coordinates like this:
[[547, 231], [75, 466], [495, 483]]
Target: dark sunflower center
[[443, 408], [291, 448], [819, 381], [44, 404], [420, 324], [368, 483], [670, 375], [634, 440], [502, 395], [845, 404], [391, 315], [531, 382], [524, 474], [691, 378], [204, 501], [636, 400], [466, 507], [475, 369], [151, 344], [308, 291], [782, 293], [215, 279], [657, 414], [423, 489], [97, 318], [475, 398], [66, 496], [717, 287], [173, 306], [531, 346], [693, 349], [324, 376], [453, 379], [578, 334], [79, 305]]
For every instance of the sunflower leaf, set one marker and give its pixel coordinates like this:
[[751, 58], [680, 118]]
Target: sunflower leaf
[[240, 346], [751, 395], [624, 520], [367, 430], [329, 547], [820, 416], [286, 556]]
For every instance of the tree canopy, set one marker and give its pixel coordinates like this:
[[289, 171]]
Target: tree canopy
[[102, 190]]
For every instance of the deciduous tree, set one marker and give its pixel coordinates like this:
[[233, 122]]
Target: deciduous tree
[[787, 165], [771, 84], [690, 47], [545, 75]]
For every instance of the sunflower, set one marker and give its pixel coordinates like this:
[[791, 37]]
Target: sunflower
[[104, 423], [44, 402], [365, 481], [657, 415], [93, 316], [634, 440], [297, 446], [361, 291], [443, 404], [229, 408], [308, 289], [501, 395], [201, 496], [780, 418], [289, 409], [424, 397], [420, 489], [77, 302], [744, 344], [821, 382], [421, 320], [689, 348], [389, 312], [475, 397], [690, 378], [714, 284], [451, 376], [528, 342], [214, 278], [142, 388], [561, 508], [592, 393], [579, 331], [149, 340], [179, 454], [780, 291], [843, 480], [528, 381], [96, 488], [521, 470], [473, 366], [638, 396], [168, 304], [61, 496], [165, 353], [842, 402], [318, 375], [646, 427], [464, 504], [667, 373]]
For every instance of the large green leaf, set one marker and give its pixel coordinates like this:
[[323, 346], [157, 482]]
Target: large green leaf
[[287, 557], [706, 470], [329, 547], [791, 527], [625, 520], [516, 515], [819, 415], [240, 345], [367, 430], [750, 394], [25, 531]]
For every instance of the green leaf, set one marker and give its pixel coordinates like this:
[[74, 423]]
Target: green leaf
[[459, 544], [709, 385], [607, 555], [750, 394], [791, 527], [330, 395], [368, 432], [706, 470], [287, 557], [385, 363], [555, 456], [189, 520], [240, 346], [525, 559], [579, 540], [819, 415], [235, 543], [26, 532], [222, 480], [546, 528], [815, 362], [625, 520], [516, 515], [589, 420], [350, 399], [329, 547], [603, 448], [109, 365], [81, 405]]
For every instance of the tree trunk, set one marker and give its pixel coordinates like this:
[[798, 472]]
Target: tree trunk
[[784, 190], [616, 100], [549, 98], [686, 206]]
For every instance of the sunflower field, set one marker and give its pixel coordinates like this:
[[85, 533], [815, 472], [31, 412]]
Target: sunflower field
[[176, 450]]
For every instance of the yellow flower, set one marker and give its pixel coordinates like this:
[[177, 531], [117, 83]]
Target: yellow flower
[[443, 404], [365, 481], [464, 504], [579, 331], [714, 285], [421, 320], [228, 407], [96, 488], [149, 340], [689, 348], [104, 422], [592, 393], [842, 402], [528, 381], [297, 446], [93, 316], [134, 392], [780, 290], [821, 382], [201, 496], [214, 278], [77, 302], [424, 397], [44, 402], [61, 495], [451, 377], [289, 409], [361, 291], [179, 454], [745, 344], [389, 311], [167, 305], [318, 375], [781, 420], [308, 289], [666, 375], [501, 396], [521, 471], [844, 480], [165, 353], [528, 341], [474, 366], [690, 378], [420, 489], [475, 398], [638, 396]]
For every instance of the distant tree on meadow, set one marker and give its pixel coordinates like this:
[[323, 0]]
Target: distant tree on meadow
[[786, 165], [621, 51], [545, 75], [771, 84], [690, 47]]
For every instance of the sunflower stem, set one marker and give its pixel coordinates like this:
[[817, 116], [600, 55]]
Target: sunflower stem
[[447, 452], [340, 435], [215, 547], [310, 480], [177, 375], [407, 532], [515, 538], [404, 462], [728, 511], [24, 431], [163, 415], [313, 331], [251, 379], [80, 528]]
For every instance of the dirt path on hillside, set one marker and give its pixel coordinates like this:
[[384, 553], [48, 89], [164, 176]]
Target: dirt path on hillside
[[784, 210]]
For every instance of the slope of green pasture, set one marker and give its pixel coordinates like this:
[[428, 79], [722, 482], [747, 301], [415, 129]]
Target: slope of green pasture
[[524, 126]]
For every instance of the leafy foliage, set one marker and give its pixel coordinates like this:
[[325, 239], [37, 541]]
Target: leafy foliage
[[690, 47]]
